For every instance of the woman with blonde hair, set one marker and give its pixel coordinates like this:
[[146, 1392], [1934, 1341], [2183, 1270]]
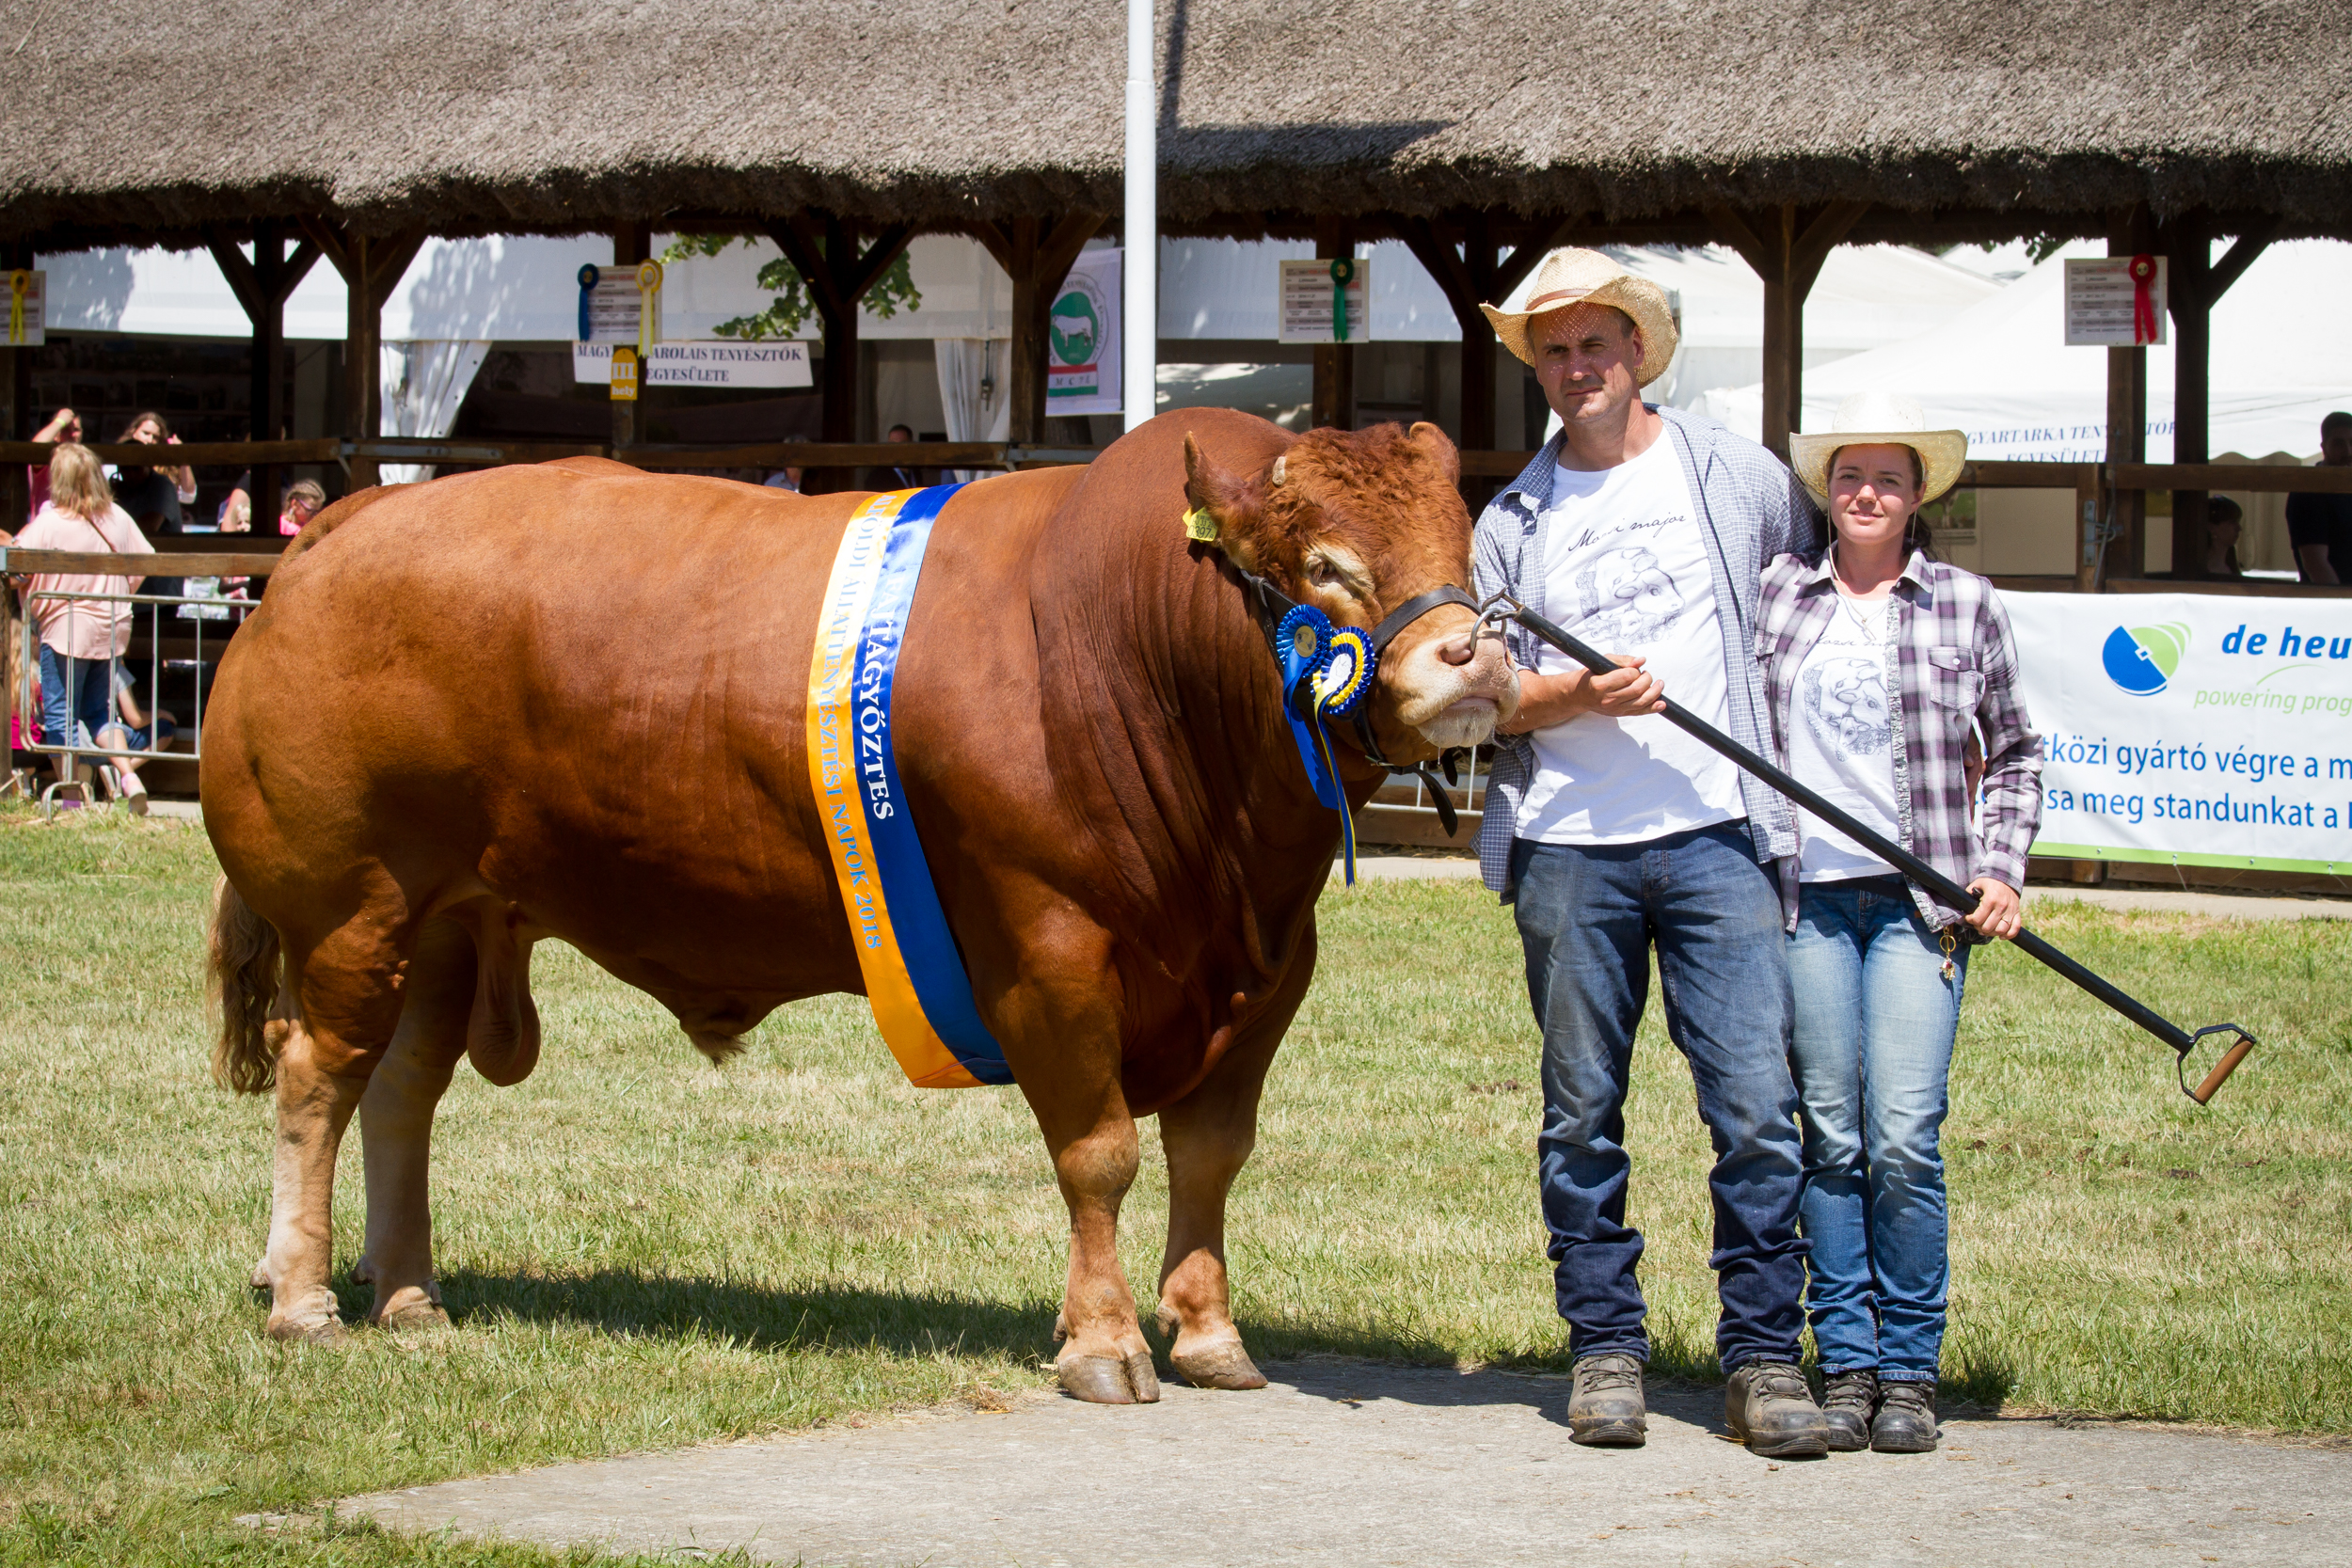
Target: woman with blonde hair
[[80, 637], [1879, 661]]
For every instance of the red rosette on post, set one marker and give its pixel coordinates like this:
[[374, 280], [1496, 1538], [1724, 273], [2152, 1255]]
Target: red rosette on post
[[2143, 271]]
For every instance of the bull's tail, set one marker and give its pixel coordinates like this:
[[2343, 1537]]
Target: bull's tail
[[245, 981]]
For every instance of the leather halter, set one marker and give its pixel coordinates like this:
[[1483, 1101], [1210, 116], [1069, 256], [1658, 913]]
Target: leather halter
[[1271, 604]]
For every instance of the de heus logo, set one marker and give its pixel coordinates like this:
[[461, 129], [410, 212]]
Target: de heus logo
[[2142, 659]]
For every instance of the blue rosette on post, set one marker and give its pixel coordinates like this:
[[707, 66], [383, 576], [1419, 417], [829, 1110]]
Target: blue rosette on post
[[1327, 673]]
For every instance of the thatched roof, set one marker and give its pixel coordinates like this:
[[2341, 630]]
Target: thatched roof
[[570, 115]]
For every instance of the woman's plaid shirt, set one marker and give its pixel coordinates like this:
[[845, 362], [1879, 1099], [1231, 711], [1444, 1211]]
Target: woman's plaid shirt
[[1951, 642]]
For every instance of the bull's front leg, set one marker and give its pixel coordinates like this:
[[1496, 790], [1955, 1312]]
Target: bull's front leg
[[1061, 1037]]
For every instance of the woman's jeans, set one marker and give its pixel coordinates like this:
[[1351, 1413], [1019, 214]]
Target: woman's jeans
[[1587, 917], [1873, 1056], [77, 698]]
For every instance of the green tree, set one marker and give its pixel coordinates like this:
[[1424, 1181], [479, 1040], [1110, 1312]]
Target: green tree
[[893, 291]]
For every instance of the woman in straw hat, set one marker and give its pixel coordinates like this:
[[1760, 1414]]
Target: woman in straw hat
[[1880, 662]]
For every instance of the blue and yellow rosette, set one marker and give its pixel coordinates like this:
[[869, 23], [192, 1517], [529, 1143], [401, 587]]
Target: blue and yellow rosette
[[1327, 673]]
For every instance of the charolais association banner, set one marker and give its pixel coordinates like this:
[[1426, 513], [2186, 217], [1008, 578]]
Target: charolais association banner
[[2191, 729]]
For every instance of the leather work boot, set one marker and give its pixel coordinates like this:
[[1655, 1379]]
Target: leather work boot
[[1847, 1401], [1771, 1409], [1606, 1410], [1906, 1419]]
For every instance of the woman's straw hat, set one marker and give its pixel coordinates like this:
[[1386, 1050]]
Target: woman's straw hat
[[1881, 418], [1567, 278]]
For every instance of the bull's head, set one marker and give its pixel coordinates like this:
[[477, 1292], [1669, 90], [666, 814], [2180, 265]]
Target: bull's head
[[1357, 524]]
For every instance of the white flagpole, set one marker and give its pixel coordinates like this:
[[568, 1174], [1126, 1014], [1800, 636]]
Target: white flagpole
[[1140, 309]]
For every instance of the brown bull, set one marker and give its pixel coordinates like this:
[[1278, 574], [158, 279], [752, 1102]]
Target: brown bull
[[567, 702]]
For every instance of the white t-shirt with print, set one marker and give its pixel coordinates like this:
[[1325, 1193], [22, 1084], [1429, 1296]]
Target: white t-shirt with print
[[1626, 570], [1841, 741]]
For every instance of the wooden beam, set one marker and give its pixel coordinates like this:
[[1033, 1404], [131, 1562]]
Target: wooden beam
[[1037, 254], [2188, 298], [1785, 246], [1452, 272]]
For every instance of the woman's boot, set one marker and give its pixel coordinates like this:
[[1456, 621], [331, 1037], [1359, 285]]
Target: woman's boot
[[1848, 1400], [1906, 1419]]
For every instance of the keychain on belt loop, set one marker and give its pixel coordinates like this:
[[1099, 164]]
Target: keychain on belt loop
[[1950, 947]]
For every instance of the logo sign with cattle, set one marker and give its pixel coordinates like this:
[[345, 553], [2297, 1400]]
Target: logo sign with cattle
[[1082, 338]]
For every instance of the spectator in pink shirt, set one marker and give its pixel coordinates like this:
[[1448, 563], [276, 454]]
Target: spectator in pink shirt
[[80, 637]]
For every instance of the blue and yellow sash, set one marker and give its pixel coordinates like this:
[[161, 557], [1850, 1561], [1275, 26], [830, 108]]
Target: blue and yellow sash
[[914, 978]]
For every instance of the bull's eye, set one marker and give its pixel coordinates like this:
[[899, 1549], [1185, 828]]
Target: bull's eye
[[1321, 573]]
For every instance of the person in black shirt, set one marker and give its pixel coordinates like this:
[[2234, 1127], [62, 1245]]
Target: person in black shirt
[[2320, 526], [153, 497], [2224, 520]]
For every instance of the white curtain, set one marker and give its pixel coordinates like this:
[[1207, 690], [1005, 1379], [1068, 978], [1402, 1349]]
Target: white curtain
[[973, 415], [424, 380]]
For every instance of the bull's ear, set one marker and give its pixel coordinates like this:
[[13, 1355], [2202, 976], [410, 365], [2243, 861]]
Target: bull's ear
[[1224, 506], [1433, 441]]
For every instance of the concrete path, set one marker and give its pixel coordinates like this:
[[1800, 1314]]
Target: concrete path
[[1357, 1464]]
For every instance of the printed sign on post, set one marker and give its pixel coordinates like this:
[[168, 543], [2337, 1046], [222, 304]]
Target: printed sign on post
[[28, 293], [611, 303], [717, 364], [2115, 301], [624, 380], [1083, 338], [2191, 729], [1307, 306]]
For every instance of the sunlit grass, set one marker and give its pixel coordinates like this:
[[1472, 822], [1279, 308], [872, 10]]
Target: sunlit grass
[[643, 1251]]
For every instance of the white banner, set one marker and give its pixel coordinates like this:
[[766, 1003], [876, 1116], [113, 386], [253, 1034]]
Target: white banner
[[2191, 729], [702, 364], [1083, 338]]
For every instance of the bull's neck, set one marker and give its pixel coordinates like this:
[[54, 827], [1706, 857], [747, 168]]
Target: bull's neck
[[1160, 662]]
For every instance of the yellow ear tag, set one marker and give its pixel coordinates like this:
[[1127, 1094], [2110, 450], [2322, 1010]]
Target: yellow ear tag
[[1199, 525]]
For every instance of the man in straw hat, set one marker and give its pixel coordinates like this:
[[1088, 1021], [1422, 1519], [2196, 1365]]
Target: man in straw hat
[[1644, 530]]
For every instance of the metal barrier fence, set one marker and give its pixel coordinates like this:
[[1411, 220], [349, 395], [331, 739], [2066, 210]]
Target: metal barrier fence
[[176, 639]]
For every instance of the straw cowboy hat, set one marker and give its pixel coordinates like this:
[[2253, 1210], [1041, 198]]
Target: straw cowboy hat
[[1881, 418], [1567, 278]]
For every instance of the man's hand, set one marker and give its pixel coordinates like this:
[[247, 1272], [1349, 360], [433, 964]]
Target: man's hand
[[1998, 912], [1626, 692]]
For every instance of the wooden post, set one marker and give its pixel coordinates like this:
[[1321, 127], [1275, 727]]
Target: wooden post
[[370, 270], [16, 418], [1335, 363], [1036, 253], [823, 248], [1785, 246], [261, 286], [2087, 497], [2194, 283], [2129, 233], [632, 244]]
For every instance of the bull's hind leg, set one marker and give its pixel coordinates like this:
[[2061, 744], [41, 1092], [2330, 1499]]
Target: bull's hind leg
[[1207, 1137], [348, 987], [396, 1127]]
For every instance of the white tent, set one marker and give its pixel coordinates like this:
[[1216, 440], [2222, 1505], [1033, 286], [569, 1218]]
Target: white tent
[[2002, 370]]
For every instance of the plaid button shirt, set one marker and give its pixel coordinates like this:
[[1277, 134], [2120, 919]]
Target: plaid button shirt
[[1750, 509], [1957, 662]]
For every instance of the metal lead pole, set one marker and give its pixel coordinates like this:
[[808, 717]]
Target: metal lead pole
[[1942, 888]]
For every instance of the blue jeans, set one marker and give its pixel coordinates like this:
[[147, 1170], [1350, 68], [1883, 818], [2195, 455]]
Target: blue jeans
[[1587, 917], [75, 691], [1873, 1055]]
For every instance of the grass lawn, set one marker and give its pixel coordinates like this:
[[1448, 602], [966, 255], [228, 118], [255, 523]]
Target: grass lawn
[[641, 1251]]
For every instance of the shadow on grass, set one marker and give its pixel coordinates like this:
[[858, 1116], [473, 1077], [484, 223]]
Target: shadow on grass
[[756, 1317]]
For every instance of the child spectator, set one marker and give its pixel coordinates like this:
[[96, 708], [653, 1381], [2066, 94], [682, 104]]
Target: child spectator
[[305, 500]]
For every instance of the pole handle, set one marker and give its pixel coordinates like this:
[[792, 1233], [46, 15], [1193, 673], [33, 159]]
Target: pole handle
[[2221, 1069]]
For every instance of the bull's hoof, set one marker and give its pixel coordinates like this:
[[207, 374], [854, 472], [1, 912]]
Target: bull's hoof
[[308, 1330], [411, 1311], [261, 1280], [1223, 1365], [1100, 1379], [362, 1272]]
